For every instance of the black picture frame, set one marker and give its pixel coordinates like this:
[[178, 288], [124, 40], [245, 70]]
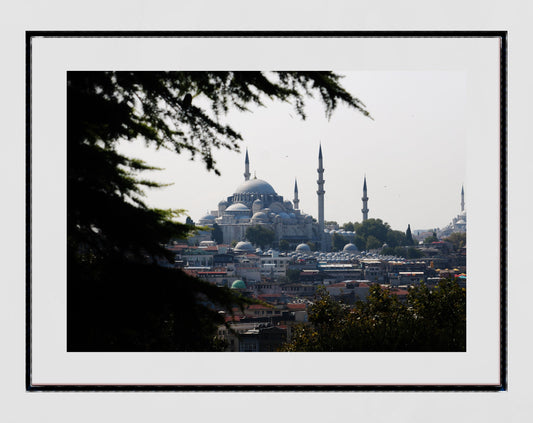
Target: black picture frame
[[501, 35]]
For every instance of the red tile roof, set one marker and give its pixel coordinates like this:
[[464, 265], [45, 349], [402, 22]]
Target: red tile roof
[[259, 307], [296, 306]]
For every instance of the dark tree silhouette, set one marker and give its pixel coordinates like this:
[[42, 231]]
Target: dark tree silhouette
[[217, 235], [122, 292], [430, 320], [260, 236]]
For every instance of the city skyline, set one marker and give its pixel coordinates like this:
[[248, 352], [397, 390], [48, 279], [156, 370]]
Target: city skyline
[[413, 153]]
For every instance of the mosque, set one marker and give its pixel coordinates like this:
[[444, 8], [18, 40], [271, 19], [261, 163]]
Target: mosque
[[255, 202], [458, 223]]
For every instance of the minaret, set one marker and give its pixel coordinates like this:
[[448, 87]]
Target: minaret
[[296, 202], [365, 202], [462, 198], [320, 193], [246, 167]]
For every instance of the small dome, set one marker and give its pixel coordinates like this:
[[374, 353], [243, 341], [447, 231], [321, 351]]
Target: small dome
[[244, 246], [255, 186], [208, 219], [238, 284], [350, 247], [237, 207], [303, 248], [258, 201], [223, 203], [284, 215]]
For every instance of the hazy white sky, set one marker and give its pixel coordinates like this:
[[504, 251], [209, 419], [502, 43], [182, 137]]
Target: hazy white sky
[[413, 153]]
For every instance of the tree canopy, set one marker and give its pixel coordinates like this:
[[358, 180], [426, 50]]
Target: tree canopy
[[430, 320], [260, 235], [458, 240], [110, 228], [338, 242]]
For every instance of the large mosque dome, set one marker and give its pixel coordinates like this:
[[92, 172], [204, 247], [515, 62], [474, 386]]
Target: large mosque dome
[[255, 186], [237, 207]]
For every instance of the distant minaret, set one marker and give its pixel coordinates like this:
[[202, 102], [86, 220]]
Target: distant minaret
[[365, 202], [246, 167], [296, 202], [462, 198], [320, 193]]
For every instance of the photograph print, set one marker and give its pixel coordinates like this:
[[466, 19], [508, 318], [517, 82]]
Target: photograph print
[[372, 260]]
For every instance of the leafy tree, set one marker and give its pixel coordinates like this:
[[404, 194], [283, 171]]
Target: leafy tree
[[406, 252], [348, 226], [413, 253], [430, 239], [458, 240], [360, 242], [430, 320], [116, 252], [338, 242], [293, 275], [396, 238], [260, 235], [189, 221], [217, 234], [389, 251], [440, 315], [372, 242], [408, 236], [284, 245], [375, 228], [312, 245]]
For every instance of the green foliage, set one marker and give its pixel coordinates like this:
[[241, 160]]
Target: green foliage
[[373, 227], [413, 253], [431, 320], [396, 238], [284, 245], [409, 237], [114, 305], [406, 252], [360, 242], [293, 275], [348, 226], [430, 239], [458, 240], [217, 234], [260, 235], [312, 245], [372, 242], [110, 229], [373, 233], [338, 242]]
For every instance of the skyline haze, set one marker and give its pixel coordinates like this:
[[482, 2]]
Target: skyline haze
[[413, 153]]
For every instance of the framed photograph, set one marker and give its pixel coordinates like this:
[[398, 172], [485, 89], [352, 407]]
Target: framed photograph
[[317, 141]]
